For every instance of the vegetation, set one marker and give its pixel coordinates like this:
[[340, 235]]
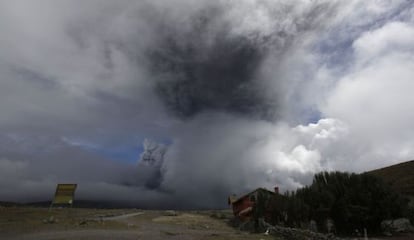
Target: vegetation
[[351, 201]]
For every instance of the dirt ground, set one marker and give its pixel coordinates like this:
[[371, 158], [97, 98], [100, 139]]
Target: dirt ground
[[21, 223], [124, 224]]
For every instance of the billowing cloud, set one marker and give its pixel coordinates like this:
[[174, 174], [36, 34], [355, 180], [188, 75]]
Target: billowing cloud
[[374, 97], [234, 95]]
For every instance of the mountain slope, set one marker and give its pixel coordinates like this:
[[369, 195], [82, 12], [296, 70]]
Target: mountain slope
[[399, 176]]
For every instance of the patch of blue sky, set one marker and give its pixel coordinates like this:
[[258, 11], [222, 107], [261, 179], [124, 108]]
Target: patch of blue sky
[[311, 115], [335, 53], [128, 153], [307, 114], [127, 150], [82, 143]]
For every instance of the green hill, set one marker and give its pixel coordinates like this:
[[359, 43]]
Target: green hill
[[399, 176]]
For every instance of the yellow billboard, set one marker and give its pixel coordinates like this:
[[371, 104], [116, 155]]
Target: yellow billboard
[[64, 194]]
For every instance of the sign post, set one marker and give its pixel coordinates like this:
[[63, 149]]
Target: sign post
[[64, 194]]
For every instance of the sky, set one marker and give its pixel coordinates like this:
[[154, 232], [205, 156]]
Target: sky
[[180, 103]]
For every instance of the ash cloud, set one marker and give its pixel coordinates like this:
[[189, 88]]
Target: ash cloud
[[206, 68], [205, 61]]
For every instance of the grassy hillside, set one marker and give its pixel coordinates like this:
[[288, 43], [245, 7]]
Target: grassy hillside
[[400, 176]]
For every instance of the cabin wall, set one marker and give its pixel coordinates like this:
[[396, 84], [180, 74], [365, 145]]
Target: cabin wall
[[241, 205]]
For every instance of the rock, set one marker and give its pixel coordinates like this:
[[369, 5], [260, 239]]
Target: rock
[[83, 222], [330, 226], [313, 226], [279, 231], [218, 215], [386, 225], [402, 225], [399, 225], [169, 233], [50, 220], [298, 234], [171, 213]]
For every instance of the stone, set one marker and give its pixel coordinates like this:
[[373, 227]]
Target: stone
[[313, 226], [171, 213], [402, 225], [83, 222], [50, 220], [399, 225], [330, 226]]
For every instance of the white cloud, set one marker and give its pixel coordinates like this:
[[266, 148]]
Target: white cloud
[[374, 96], [393, 38], [232, 154]]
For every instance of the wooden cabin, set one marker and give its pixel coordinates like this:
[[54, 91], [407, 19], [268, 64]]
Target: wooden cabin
[[252, 205]]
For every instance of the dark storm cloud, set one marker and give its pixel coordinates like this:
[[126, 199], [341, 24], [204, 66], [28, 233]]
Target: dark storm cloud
[[209, 62], [206, 68]]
